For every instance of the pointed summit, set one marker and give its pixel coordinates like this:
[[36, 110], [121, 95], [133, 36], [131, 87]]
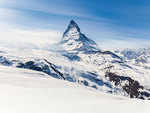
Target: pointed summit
[[73, 24], [72, 28], [74, 40]]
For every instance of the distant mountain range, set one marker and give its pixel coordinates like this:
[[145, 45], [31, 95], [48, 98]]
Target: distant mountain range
[[131, 54]]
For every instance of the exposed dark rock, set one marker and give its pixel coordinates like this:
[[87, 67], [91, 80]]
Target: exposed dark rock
[[94, 86], [145, 94], [5, 61], [130, 86], [106, 53], [52, 66], [116, 61], [84, 82], [45, 67], [72, 57], [33, 66], [93, 78]]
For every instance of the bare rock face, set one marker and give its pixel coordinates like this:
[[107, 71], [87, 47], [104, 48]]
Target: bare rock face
[[5, 61], [42, 66], [129, 85]]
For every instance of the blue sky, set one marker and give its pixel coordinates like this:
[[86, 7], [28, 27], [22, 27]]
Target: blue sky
[[113, 23]]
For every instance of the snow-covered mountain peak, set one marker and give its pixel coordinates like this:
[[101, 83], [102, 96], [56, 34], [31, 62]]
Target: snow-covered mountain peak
[[72, 30], [73, 39], [73, 25]]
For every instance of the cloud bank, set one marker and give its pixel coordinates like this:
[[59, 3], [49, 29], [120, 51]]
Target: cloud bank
[[18, 38]]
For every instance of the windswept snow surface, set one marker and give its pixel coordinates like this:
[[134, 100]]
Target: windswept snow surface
[[26, 91], [79, 60]]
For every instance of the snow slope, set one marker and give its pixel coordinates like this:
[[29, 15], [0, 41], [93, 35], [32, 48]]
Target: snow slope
[[84, 87], [26, 91], [81, 61]]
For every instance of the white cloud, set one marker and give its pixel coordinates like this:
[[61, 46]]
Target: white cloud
[[22, 38]]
